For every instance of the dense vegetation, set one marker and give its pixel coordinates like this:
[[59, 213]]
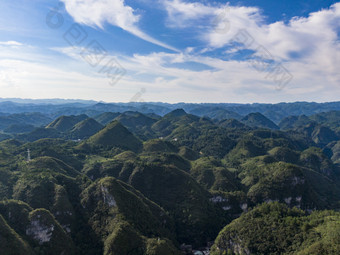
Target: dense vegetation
[[276, 229], [145, 183]]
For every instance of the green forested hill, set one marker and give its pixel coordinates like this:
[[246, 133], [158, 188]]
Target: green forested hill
[[65, 123], [106, 117], [85, 129], [258, 120], [144, 184], [276, 229], [115, 135]]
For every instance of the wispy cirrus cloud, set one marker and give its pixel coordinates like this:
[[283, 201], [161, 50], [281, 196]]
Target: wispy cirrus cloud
[[183, 14], [97, 13]]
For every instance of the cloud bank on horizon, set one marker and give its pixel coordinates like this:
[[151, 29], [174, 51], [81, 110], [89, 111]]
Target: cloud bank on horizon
[[172, 50]]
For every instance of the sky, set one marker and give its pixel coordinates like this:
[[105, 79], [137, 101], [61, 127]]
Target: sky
[[171, 51]]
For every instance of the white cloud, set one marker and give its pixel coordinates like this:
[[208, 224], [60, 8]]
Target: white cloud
[[225, 81], [309, 47], [180, 13], [28, 72], [115, 12], [303, 36], [221, 20], [11, 43]]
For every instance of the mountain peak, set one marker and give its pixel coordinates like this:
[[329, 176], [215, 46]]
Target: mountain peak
[[116, 135], [176, 113], [66, 123], [257, 119]]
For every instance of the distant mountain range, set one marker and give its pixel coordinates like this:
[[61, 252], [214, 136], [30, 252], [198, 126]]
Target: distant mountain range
[[54, 108]]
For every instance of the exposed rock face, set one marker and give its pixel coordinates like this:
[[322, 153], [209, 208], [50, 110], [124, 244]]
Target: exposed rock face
[[244, 207], [108, 198], [288, 200], [237, 248], [39, 231], [297, 180], [47, 234]]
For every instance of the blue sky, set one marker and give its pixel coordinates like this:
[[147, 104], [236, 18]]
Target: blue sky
[[171, 50]]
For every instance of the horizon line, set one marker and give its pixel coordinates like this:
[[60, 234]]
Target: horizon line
[[10, 99]]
